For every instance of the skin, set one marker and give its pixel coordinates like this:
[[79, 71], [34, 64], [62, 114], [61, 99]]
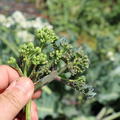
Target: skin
[[15, 92]]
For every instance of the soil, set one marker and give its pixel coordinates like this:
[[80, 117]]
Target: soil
[[9, 6]]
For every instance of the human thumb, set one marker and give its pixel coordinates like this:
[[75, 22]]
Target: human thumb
[[14, 98]]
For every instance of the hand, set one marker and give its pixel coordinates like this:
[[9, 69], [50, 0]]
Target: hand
[[15, 92]]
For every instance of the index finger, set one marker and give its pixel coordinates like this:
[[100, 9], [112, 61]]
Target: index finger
[[7, 75]]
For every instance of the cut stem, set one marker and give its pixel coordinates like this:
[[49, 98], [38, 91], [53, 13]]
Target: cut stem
[[47, 79], [38, 85], [28, 110]]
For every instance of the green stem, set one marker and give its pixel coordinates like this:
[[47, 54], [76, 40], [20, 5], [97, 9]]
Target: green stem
[[25, 69], [45, 80], [33, 73], [113, 116], [28, 111], [48, 78], [38, 85], [28, 105], [17, 68], [101, 113]]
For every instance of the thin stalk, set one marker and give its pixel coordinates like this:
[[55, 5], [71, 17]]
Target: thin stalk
[[28, 105], [113, 116], [33, 71], [109, 111], [28, 110], [17, 68], [25, 69], [101, 113]]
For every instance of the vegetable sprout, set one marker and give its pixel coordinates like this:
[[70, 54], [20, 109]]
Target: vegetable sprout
[[50, 58]]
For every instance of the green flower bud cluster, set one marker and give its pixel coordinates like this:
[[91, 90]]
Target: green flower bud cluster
[[46, 35], [60, 49], [45, 69], [57, 55], [12, 60], [39, 59], [68, 55], [66, 45], [26, 49], [32, 54], [48, 54], [76, 83], [79, 84], [79, 63]]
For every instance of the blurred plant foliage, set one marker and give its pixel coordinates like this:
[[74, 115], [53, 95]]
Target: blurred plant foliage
[[104, 75], [84, 16]]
